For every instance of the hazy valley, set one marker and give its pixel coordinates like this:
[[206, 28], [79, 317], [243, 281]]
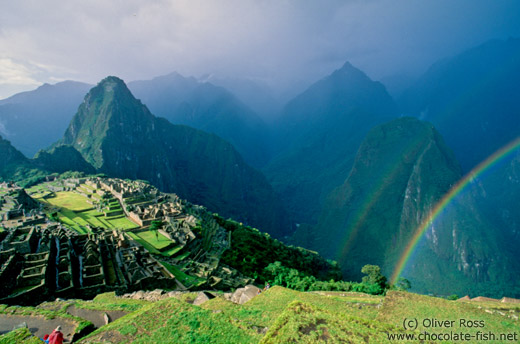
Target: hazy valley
[[424, 186]]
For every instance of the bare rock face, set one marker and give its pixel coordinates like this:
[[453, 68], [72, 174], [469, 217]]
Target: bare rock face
[[242, 295], [201, 298], [509, 300]]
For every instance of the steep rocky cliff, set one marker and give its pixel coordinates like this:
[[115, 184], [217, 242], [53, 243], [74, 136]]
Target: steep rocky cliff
[[119, 136], [402, 169]]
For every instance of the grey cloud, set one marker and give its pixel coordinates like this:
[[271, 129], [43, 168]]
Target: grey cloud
[[280, 42]]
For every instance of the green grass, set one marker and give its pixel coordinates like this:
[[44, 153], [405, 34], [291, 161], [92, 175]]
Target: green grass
[[304, 323], [88, 188], [155, 239], [71, 223], [145, 244], [273, 301], [109, 301], [185, 279], [173, 321], [76, 213], [105, 223], [46, 314], [400, 305], [19, 336], [183, 255], [121, 222], [277, 316], [171, 251], [74, 216], [70, 200]]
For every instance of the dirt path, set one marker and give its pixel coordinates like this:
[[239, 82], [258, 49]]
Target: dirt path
[[37, 325], [96, 317]]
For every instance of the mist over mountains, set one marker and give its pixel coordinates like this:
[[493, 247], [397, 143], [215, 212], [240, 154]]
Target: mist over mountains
[[340, 170], [34, 120]]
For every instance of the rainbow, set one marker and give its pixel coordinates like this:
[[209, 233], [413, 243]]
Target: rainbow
[[447, 198], [386, 177]]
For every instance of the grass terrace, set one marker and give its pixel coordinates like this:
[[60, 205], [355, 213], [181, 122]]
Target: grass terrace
[[144, 243], [155, 239], [185, 279], [70, 200], [120, 222]]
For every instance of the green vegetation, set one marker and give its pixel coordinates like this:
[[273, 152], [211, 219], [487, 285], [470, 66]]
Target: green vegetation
[[399, 305], [19, 336], [120, 222], [252, 251], [82, 324], [186, 280], [279, 315], [77, 213], [155, 239], [109, 301], [70, 200], [145, 243], [304, 323], [174, 321], [172, 251]]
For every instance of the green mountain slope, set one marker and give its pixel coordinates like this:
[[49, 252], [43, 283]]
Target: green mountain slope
[[319, 134], [119, 136], [61, 159], [280, 316], [402, 169], [14, 166]]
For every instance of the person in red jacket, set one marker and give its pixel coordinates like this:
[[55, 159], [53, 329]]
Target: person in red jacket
[[56, 336]]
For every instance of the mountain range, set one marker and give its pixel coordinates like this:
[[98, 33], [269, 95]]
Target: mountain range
[[119, 136], [36, 119], [342, 171], [472, 99], [318, 135], [205, 106]]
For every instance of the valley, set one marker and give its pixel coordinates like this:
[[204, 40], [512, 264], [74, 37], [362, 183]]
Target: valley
[[260, 173]]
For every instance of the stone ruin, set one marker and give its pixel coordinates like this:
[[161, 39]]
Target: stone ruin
[[14, 204], [41, 259], [57, 262]]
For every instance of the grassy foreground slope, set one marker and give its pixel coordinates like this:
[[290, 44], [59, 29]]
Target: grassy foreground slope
[[465, 317], [280, 315]]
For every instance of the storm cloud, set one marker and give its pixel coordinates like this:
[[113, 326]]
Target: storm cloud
[[281, 43]]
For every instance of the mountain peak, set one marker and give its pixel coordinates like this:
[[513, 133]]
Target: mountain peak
[[349, 72], [109, 90], [348, 66], [111, 82], [108, 107]]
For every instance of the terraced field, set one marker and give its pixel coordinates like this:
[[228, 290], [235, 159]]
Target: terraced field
[[76, 212]]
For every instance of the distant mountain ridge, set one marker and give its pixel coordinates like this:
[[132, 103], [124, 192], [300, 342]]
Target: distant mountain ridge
[[472, 99], [34, 120], [318, 136], [14, 166], [204, 106], [119, 136]]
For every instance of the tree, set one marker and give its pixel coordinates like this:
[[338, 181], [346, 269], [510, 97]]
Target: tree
[[403, 284], [373, 276], [155, 227]]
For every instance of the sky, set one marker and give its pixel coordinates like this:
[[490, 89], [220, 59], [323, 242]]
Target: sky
[[279, 43]]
